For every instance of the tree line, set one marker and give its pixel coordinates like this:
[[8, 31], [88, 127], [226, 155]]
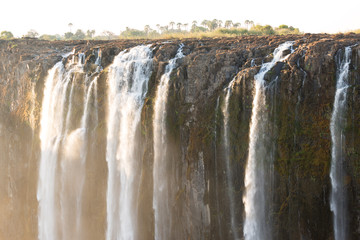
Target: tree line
[[207, 28]]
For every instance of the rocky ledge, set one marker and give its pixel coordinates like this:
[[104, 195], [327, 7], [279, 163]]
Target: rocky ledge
[[300, 106]]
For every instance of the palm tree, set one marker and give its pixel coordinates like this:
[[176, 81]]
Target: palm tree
[[251, 23], [247, 23], [186, 25], [70, 26], [228, 24], [172, 25], [179, 26], [194, 23]]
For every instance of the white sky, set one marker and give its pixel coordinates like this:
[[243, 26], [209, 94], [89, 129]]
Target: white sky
[[51, 17]]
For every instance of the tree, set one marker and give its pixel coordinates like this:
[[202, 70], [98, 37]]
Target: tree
[[283, 26], [251, 23], [158, 27], [32, 34], [228, 24], [6, 35], [164, 29], [205, 23], [131, 33], [68, 35], [267, 29], [147, 29], [179, 26], [237, 25], [172, 25], [79, 35], [186, 25], [109, 35], [90, 34], [198, 29], [194, 23], [214, 24], [70, 26], [247, 23], [50, 37]]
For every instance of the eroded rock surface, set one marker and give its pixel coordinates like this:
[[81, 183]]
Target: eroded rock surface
[[300, 106]]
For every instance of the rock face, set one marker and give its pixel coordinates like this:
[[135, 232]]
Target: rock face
[[300, 102]]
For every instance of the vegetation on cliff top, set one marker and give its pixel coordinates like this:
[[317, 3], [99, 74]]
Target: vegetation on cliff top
[[207, 28]]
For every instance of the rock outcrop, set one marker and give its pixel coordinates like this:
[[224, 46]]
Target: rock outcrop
[[300, 106]]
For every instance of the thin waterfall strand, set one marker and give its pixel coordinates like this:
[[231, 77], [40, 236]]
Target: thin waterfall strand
[[337, 173], [255, 226], [229, 175], [162, 196], [216, 167]]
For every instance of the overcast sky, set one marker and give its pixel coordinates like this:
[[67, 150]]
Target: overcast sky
[[51, 17]]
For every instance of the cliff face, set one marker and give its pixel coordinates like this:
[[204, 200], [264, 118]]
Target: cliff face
[[299, 101]]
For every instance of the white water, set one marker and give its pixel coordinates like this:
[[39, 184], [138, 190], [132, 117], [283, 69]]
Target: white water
[[216, 168], [128, 81], [73, 169], [81, 59], [338, 192], [98, 60], [255, 225], [229, 178], [50, 136], [60, 190], [162, 195]]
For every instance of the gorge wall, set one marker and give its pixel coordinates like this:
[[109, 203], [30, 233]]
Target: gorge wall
[[130, 166]]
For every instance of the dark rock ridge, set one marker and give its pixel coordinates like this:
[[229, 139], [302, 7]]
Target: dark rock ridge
[[300, 106]]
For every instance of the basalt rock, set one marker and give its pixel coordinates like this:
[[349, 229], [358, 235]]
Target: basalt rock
[[300, 105]]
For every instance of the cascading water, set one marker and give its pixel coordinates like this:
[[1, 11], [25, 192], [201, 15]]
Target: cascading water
[[50, 135], [337, 173], [128, 82], [161, 196], [255, 225], [216, 167], [229, 177], [98, 61], [60, 190], [73, 169]]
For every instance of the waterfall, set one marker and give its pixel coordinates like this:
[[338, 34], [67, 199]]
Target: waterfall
[[229, 177], [255, 225], [50, 135], [73, 169], [217, 168], [98, 60], [60, 189], [128, 82], [337, 172], [162, 198]]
